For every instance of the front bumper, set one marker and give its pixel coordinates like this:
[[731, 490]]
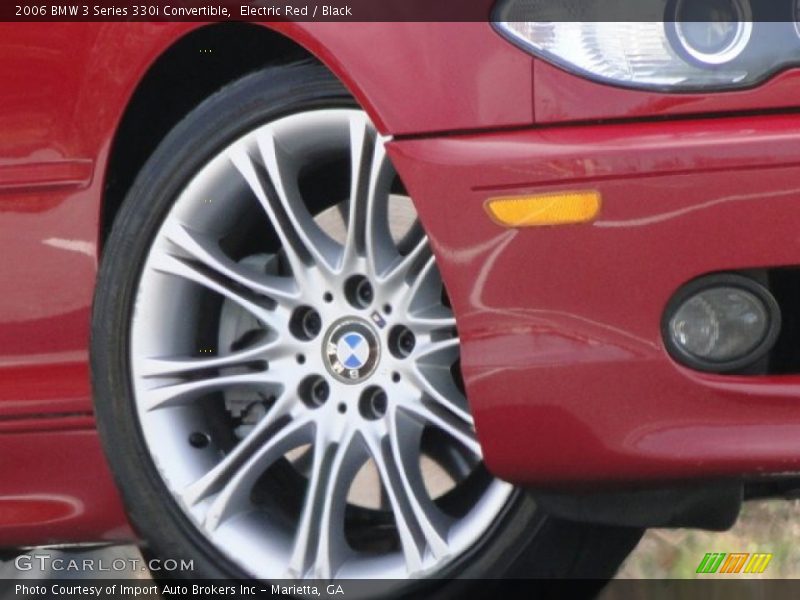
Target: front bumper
[[562, 354]]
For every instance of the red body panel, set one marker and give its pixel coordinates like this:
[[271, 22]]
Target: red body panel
[[426, 77], [561, 96], [561, 344], [569, 315], [56, 485]]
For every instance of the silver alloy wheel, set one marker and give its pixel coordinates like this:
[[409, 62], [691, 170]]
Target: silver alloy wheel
[[296, 376]]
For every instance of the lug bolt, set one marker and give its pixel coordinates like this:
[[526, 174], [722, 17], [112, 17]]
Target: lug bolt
[[401, 341], [198, 439], [373, 403], [364, 292], [358, 291], [406, 342], [305, 323], [312, 324], [320, 391], [314, 391]]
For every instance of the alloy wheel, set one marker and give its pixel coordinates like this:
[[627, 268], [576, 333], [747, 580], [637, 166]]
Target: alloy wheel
[[295, 363]]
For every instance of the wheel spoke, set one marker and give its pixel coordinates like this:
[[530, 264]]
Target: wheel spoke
[[435, 318], [258, 181], [379, 246], [440, 353], [406, 268], [368, 239], [425, 290], [320, 546], [362, 150], [235, 494], [289, 210], [177, 394], [418, 525], [166, 367], [213, 481], [172, 265], [437, 384], [458, 429], [207, 251]]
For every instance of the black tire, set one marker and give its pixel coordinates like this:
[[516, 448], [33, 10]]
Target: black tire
[[524, 542]]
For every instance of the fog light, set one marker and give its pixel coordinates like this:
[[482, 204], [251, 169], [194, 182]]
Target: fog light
[[721, 323]]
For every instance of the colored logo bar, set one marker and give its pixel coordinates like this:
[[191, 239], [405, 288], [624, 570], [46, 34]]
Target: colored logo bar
[[736, 562]]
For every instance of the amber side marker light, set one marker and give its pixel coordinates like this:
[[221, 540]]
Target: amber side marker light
[[558, 208]]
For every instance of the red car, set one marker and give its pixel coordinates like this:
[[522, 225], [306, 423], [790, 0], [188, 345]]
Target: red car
[[252, 272]]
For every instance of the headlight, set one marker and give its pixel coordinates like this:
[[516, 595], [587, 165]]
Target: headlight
[[712, 42], [678, 45]]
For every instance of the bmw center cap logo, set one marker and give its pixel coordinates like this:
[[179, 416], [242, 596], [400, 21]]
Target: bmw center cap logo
[[351, 350]]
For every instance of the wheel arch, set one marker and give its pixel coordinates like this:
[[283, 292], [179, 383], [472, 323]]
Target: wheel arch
[[403, 93], [173, 85]]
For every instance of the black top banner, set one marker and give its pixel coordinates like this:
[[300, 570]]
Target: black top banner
[[253, 10], [400, 10]]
